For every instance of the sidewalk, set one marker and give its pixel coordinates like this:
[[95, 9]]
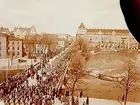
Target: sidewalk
[[94, 101]]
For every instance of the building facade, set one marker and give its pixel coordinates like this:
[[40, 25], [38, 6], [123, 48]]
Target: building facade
[[108, 39], [61, 43], [3, 46], [22, 32], [40, 48], [15, 47]]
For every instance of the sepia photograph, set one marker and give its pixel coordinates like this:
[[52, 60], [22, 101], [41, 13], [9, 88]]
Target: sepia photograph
[[69, 52]]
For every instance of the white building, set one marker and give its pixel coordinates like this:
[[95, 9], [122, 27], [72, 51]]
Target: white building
[[14, 47], [22, 32], [108, 39], [3, 46], [41, 48], [66, 37], [61, 43]]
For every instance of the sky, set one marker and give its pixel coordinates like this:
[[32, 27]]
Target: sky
[[61, 16]]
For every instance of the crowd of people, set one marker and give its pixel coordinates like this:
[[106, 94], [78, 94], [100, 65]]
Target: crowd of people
[[40, 94], [16, 91], [15, 81]]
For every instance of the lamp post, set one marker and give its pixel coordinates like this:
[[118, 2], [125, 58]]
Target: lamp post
[[25, 65], [7, 70], [18, 65]]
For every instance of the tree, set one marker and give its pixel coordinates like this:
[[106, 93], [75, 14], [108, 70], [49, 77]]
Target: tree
[[76, 72], [79, 42], [23, 52], [72, 52], [11, 55], [30, 44], [48, 40], [128, 80], [83, 47], [85, 50]]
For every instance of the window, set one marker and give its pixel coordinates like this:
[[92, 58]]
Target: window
[[17, 48], [18, 43], [0, 47], [12, 43], [13, 48]]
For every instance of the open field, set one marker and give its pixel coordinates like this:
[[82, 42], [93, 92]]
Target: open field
[[111, 64]]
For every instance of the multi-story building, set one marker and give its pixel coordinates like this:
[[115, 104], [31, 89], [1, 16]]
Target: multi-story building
[[64, 40], [3, 46], [108, 39], [22, 32], [67, 37], [40, 48], [61, 43], [14, 47]]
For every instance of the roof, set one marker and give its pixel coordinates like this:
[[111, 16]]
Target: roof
[[4, 30], [109, 31], [3, 35], [61, 39], [14, 39], [82, 25], [23, 28]]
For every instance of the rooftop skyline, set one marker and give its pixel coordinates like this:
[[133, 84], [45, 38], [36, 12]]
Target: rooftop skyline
[[61, 16]]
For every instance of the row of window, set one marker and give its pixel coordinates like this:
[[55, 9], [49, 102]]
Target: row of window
[[13, 48], [112, 43], [14, 43], [16, 54]]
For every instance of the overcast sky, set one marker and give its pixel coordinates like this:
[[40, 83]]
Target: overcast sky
[[61, 16]]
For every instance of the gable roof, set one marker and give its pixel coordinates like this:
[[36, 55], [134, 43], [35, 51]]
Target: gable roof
[[82, 25]]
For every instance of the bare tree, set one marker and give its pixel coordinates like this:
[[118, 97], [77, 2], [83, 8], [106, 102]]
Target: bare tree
[[48, 40], [129, 80], [11, 55], [75, 73], [30, 43], [83, 46], [80, 42]]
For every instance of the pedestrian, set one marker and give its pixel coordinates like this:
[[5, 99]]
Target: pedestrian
[[87, 101], [77, 101], [81, 93], [123, 98], [84, 103], [67, 93]]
